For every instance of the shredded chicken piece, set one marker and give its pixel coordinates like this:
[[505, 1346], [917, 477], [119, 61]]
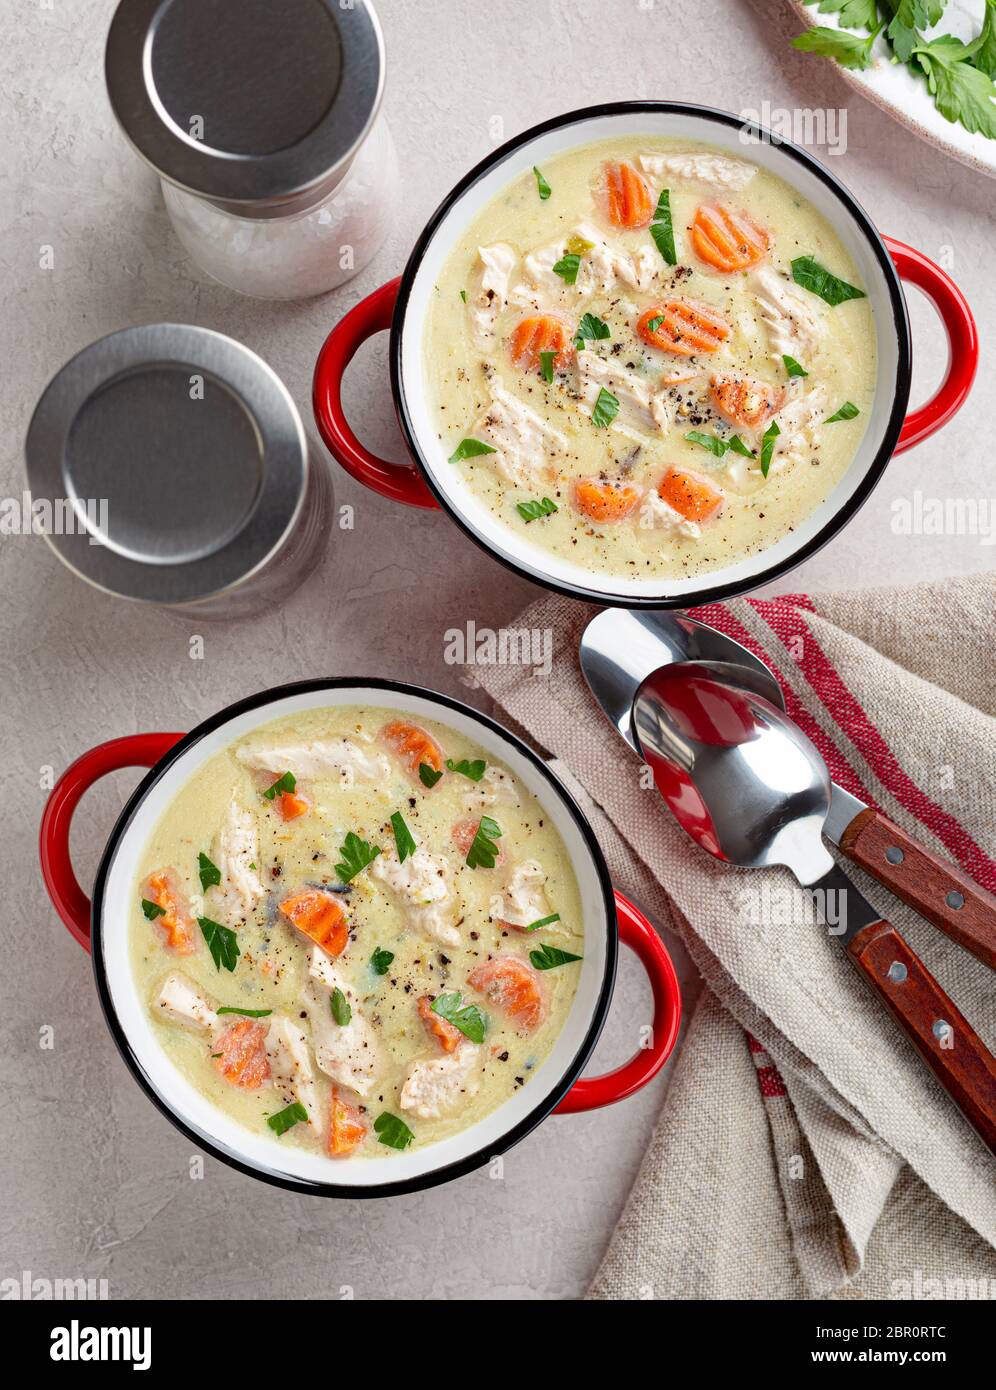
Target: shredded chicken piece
[[712, 170]]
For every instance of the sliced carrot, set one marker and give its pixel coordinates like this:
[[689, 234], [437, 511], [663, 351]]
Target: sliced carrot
[[463, 833], [537, 334], [695, 497], [347, 1129], [626, 196], [727, 239], [413, 746], [683, 326], [290, 806], [242, 1058], [603, 499], [512, 986], [320, 916], [448, 1037], [175, 922], [744, 400]]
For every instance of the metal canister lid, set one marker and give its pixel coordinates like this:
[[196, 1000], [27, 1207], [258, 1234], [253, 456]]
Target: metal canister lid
[[250, 103], [177, 454]]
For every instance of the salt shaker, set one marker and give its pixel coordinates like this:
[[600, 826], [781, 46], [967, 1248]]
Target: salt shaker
[[263, 122]]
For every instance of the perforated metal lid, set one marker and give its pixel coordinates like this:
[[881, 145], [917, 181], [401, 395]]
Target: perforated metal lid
[[179, 453], [251, 103]]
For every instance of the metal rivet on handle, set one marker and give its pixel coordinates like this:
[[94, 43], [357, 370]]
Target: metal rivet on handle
[[894, 854], [897, 972], [955, 900]]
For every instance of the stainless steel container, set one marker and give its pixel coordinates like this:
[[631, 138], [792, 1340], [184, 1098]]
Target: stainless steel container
[[180, 469], [262, 120]]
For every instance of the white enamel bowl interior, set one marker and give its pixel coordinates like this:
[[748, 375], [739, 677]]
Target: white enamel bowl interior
[[270, 1155], [419, 391]]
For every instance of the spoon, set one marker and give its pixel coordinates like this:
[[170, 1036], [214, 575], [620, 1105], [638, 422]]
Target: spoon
[[619, 649], [748, 786]]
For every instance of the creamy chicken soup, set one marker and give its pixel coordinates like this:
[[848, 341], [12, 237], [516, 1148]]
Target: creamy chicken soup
[[356, 932], [650, 357]]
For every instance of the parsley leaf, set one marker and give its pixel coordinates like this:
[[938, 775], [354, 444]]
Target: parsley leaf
[[468, 1017], [847, 411], [606, 409], [542, 187], [392, 1131], [533, 511], [792, 366], [356, 855], [808, 273], [339, 1005], [567, 267], [222, 943], [152, 910], [662, 228], [463, 296], [403, 837], [547, 360], [470, 449], [284, 1120], [210, 874], [285, 783], [543, 922], [246, 1013], [591, 327], [718, 446], [549, 957], [984, 57], [427, 775], [768, 446], [380, 961], [483, 851], [850, 50], [962, 92], [474, 770], [655, 323]]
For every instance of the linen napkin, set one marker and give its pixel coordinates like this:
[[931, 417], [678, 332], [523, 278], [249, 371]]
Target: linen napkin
[[803, 1149]]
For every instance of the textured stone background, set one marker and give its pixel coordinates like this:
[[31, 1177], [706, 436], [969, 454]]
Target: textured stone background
[[95, 1182]]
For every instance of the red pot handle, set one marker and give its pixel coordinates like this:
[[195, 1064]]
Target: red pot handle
[[963, 342], [400, 482], [68, 898], [593, 1091]]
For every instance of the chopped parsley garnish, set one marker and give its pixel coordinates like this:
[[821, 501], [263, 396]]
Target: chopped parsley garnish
[[152, 910], [473, 769], [339, 1005], [592, 329], [542, 187], [720, 447], [578, 245], [846, 412], [392, 1131], [222, 943], [284, 1120], [356, 855], [463, 296], [380, 961], [543, 922], [428, 775], [793, 367], [547, 360], [286, 783], [403, 838], [655, 323], [567, 267], [470, 449], [662, 229], [808, 273], [246, 1013], [606, 409], [768, 446], [210, 874], [549, 957], [467, 1017], [533, 511], [483, 850]]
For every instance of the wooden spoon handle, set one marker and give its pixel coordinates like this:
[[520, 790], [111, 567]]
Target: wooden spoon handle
[[936, 889], [943, 1037]]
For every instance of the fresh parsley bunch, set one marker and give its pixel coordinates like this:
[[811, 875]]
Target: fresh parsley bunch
[[959, 75]]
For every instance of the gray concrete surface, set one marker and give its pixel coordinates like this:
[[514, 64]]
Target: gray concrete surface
[[95, 1182]]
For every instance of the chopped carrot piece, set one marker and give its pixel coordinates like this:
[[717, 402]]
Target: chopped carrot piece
[[683, 326], [319, 915], [603, 499], [413, 746], [540, 333], [242, 1058], [176, 922], [448, 1037], [513, 986], [625, 196], [347, 1129], [463, 833], [727, 239], [695, 497], [744, 400], [290, 806]]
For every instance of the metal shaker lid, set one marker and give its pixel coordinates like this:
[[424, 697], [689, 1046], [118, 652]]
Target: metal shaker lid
[[178, 457], [246, 102]]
